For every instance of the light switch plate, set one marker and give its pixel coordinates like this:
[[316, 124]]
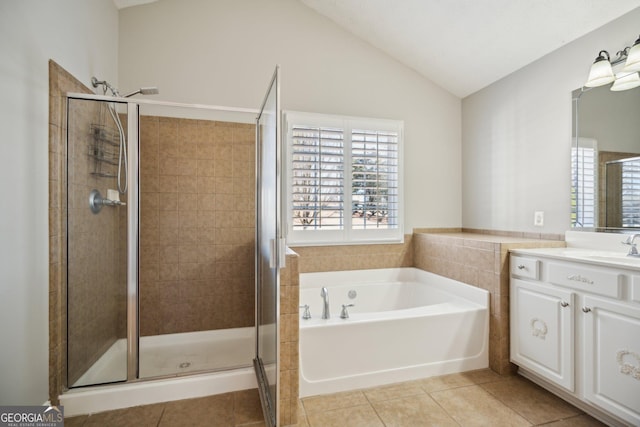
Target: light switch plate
[[538, 218]]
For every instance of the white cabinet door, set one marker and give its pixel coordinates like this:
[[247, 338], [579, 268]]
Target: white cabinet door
[[542, 336], [612, 356]]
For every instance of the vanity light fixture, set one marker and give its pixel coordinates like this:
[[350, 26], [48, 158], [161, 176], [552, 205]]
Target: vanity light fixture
[[625, 81], [633, 58], [602, 73]]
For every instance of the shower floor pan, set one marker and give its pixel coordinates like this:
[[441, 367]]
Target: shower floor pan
[[176, 354]]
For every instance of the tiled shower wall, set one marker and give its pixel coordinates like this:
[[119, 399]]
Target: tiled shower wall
[[197, 213]]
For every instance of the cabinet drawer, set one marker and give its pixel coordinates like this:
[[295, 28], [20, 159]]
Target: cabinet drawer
[[524, 267], [601, 282]]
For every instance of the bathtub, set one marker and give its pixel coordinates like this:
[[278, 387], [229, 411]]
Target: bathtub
[[405, 324]]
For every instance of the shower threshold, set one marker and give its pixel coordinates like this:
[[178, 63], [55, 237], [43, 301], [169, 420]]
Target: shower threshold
[[175, 354]]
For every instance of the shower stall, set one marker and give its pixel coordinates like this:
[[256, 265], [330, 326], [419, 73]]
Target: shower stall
[[164, 247]]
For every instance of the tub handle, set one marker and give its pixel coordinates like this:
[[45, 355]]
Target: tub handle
[[306, 314], [344, 314]]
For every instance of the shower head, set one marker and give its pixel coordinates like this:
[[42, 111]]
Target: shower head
[[151, 90], [105, 85]]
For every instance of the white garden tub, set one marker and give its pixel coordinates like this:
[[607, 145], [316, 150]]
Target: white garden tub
[[405, 324]]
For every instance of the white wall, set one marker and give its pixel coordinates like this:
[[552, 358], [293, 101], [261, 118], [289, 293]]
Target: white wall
[[516, 136], [223, 52], [81, 36]]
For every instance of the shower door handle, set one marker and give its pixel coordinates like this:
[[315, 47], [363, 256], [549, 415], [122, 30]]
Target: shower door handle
[[277, 253]]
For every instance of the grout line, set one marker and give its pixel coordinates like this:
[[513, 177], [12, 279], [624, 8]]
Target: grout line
[[164, 408], [495, 396], [441, 407]]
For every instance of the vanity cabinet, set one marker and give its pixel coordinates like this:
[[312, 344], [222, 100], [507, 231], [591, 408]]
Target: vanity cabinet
[[576, 326], [612, 356], [542, 331]]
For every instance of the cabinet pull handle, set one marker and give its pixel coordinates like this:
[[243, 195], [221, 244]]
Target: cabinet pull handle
[[586, 309], [564, 304], [521, 267]]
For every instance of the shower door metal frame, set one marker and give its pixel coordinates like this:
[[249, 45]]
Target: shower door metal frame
[[133, 218], [133, 241], [270, 404]]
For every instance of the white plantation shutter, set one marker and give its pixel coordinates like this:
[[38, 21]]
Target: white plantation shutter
[[630, 191], [374, 178], [317, 172], [344, 179], [583, 186]]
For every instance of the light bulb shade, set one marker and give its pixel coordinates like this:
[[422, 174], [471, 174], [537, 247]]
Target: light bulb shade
[[625, 81], [601, 73], [633, 58]]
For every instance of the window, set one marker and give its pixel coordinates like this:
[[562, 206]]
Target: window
[[343, 179], [583, 183]]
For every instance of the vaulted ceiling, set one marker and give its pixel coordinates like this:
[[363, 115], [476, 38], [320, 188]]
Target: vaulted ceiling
[[465, 45]]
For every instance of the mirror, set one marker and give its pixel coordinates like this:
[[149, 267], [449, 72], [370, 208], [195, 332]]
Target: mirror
[[605, 160]]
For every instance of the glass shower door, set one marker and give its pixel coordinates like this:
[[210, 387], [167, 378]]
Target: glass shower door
[[97, 236], [269, 250]]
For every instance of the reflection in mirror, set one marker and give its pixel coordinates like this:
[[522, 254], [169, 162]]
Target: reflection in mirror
[[622, 180], [605, 169]]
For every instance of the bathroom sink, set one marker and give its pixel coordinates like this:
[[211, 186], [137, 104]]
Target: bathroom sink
[[611, 257], [607, 257], [616, 258]]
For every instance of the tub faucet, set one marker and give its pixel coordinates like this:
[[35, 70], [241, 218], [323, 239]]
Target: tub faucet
[[324, 293]]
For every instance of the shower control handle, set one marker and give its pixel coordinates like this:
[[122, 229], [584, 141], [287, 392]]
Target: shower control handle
[[306, 314], [96, 201], [344, 314]]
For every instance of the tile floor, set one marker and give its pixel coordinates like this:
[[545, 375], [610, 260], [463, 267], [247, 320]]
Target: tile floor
[[477, 398]]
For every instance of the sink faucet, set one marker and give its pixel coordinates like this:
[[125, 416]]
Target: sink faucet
[[324, 293], [633, 250]]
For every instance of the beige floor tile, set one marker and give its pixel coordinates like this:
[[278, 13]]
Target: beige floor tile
[[302, 422], [473, 406], [583, 420], [247, 407], [530, 401], [328, 402], [147, 415], [354, 416], [252, 424], [204, 411], [413, 411], [481, 376], [75, 421], [445, 382], [393, 391]]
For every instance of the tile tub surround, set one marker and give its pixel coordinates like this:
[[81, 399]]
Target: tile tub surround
[[355, 257], [197, 225], [289, 333], [480, 260]]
